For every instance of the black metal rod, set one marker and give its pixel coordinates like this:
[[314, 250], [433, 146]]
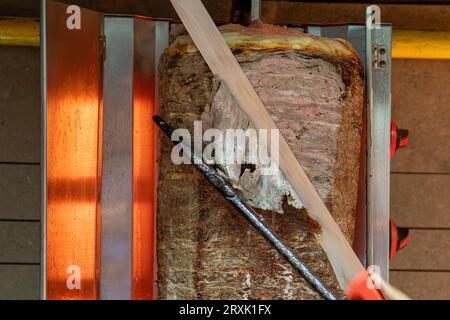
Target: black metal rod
[[233, 197]]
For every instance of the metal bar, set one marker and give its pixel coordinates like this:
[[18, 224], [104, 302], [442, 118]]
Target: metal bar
[[117, 164], [233, 197], [378, 86], [43, 57], [128, 256], [256, 10]]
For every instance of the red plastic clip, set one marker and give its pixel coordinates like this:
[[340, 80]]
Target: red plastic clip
[[393, 138], [399, 138], [393, 240], [398, 238]]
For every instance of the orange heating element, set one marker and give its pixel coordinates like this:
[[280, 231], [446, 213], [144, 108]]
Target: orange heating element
[[144, 187], [72, 153], [73, 204], [73, 161]]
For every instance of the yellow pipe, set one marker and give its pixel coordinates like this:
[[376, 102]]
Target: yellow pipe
[[415, 44], [406, 44], [19, 31]]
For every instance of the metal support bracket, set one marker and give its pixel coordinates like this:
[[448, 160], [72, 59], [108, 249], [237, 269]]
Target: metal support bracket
[[256, 10], [378, 84]]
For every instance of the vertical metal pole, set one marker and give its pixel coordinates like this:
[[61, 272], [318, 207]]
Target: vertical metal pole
[[256, 10], [378, 74], [127, 259], [43, 49], [117, 160]]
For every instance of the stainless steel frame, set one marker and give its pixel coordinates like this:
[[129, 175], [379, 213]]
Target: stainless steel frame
[[255, 10], [378, 79], [117, 165], [133, 48], [43, 275]]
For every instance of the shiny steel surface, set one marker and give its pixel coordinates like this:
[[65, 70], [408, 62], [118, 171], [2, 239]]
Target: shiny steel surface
[[43, 79], [255, 10], [117, 160], [378, 143], [128, 256], [71, 124]]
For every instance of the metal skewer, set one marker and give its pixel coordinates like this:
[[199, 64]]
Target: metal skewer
[[233, 197]]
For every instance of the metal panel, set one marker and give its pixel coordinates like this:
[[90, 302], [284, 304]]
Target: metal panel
[[117, 160], [255, 10], [71, 106], [43, 166], [378, 74], [128, 258]]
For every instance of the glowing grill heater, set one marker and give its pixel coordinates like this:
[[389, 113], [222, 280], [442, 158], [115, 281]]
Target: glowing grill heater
[[99, 90]]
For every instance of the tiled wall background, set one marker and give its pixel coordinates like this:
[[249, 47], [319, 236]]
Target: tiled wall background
[[420, 179], [420, 197], [19, 173]]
